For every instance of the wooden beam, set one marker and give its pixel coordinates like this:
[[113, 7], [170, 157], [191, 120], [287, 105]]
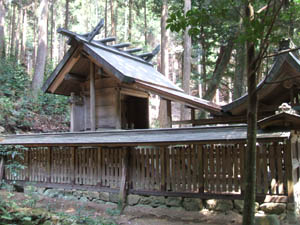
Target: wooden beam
[[75, 77], [105, 40], [124, 179], [133, 50], [118, 109], [121, 45], [95, 31], [150, 55], [217, 120], [169, 113], [289, 168], [1, 168], [66, 69], [193, 116], [92, 97]]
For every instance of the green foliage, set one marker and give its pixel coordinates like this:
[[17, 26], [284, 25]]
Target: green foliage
[[12, 156], [18, 107]]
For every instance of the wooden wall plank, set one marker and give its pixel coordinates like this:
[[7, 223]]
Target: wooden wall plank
[[162, 166], [271, 158], [236, 168], [218, 168], [188, 168], [279, 168], [168, 168], [259, 184], [157, 169], [265, 168], [201, 167]]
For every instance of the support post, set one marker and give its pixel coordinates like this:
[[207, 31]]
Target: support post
[[73, 162], [124, 179], [92, 97], [193, 116], [28, 165], [118, 109], [169, 113], [1, 168], [49, 164], [289, 168]]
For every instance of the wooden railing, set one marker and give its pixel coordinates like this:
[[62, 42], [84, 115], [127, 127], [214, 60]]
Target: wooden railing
[[198, 169]]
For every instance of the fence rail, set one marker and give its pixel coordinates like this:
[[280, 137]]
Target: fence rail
[[193, 168]]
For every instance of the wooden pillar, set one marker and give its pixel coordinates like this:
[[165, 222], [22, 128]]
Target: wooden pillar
[[72, 116], [28, 165], [193, 116], [1, 168], [118, 109], [92, 97], [124, 179], [289, 151], [49, 165], [73, 165], [169, 113]]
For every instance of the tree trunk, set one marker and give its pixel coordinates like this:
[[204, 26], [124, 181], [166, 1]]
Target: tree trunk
[[164, 66], [203, 61], [112, 15], [105, 15], [34, 34], [130, 21], [38, 77], [240, 68], [250, 159], [221, 65], [13, 31], [2, 33], [145, 21], [186, 73], [66, 26], [17, 42], [24, 37], [52, 29]]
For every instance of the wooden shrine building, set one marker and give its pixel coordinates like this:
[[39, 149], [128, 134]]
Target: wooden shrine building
[[109, 94], [109, 87]]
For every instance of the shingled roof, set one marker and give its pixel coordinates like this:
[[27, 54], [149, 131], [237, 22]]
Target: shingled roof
[[274, 89], [125, 65]]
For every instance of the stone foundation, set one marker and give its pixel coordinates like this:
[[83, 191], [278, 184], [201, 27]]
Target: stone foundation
[[283, 210]]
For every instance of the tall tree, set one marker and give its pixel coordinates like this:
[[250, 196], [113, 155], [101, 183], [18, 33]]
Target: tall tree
[[2, 28], [130, 20], [106, 20], [186, 73], [13, 30], [250, 163], [112, 17], [164, 66], [145, 21], [52, 28], [221, 65], [38, 77], [24, 36], [66, 25]]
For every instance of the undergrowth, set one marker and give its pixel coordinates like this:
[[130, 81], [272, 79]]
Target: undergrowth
[[19, 109]]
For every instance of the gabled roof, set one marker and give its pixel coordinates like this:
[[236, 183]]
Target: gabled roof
[[126, 67], [272, 91], [283, 119]]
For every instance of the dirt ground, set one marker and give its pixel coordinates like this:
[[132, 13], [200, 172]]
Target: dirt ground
[[134, 215]]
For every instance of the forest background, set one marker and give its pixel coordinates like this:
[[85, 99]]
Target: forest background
[[202, 51]]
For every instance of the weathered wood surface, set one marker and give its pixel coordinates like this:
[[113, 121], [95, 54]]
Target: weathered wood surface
[[231, 134], [202, 169]]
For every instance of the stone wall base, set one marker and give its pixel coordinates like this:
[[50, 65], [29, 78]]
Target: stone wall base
[[284, 211]]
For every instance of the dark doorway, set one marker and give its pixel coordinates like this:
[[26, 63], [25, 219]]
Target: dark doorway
[[134, 112]]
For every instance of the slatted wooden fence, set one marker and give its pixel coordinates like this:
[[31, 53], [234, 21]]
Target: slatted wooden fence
[[191, 168]]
